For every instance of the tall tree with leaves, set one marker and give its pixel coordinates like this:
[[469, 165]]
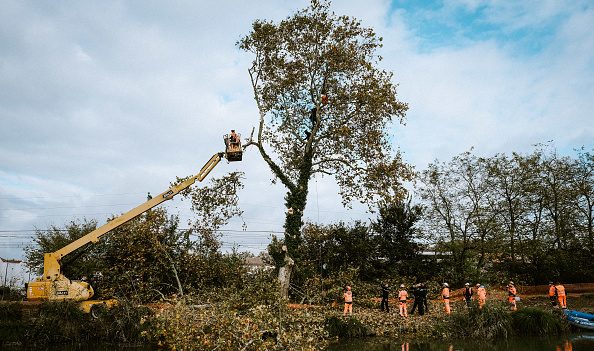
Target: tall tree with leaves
[[324, 107], [397, 228]]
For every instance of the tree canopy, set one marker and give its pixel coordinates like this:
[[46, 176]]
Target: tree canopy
[[325, 107]]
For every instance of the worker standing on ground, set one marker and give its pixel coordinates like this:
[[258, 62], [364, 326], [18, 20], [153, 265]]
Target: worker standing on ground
[[467, 294], [552, 294], [348, 301], [420, 294], [445, 295], [481, 292], [511, 295], [385, 295], [402, 296], [561, 295], [425, 299]]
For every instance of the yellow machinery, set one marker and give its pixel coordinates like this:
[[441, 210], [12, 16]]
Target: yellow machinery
[[54, 286]]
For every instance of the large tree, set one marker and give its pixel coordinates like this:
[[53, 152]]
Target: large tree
[[324, 108]]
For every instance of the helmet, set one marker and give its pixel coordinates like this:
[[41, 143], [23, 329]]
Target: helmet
[[467, 284], [402, 285], [445, 284], [511, 283]]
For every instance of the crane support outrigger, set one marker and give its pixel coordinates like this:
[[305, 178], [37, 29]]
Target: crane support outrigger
[[54, 286]]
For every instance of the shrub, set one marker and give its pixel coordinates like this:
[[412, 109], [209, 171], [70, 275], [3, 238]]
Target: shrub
[[350, 327], [490, 322], [535, 321]]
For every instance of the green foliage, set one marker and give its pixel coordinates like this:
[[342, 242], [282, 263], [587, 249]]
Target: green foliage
[[56, 238], [528, 218], [253, 317], [536, 321], [149, 257], [491, 322], [64, 322], [396, 230], [349, 327], [336, 255]]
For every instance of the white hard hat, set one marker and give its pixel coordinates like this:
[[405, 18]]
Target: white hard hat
[[445, 284]]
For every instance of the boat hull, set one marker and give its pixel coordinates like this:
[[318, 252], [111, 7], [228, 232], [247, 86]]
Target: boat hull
[[580, 319]]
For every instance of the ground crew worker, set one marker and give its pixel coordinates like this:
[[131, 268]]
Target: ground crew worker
[[402, 296], [467, 294], [553, 294], [481, 292], [511, 296], [420, 294], [561, 296], [348, 301], [385, 294], [445, 295]]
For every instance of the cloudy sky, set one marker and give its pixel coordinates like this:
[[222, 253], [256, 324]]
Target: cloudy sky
[[102, 102]]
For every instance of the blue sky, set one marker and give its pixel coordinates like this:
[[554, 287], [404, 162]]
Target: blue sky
[[456, 24], [102, 102]]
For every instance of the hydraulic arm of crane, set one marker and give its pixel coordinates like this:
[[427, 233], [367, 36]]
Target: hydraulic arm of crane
[[51, 261]]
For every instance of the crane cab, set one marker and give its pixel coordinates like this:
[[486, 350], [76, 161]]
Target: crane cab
[[233, 151]]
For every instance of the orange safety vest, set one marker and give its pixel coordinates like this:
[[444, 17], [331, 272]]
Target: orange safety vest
[[560, 290], [402, 295], [482, 293], [445, 293], [552, 291], [348, 296]]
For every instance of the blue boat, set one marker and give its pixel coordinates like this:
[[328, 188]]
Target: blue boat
[[580, 319]]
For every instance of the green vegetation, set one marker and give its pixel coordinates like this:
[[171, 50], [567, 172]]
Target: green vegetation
[[349, 327], [536, 321], [491, 322], [64, 322]]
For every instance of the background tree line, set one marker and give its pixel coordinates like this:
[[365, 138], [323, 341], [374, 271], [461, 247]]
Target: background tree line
[[526, 217]]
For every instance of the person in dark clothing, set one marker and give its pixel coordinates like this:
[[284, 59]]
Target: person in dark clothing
[[425, 300], [420, 294], [385, 295], [467, 294]]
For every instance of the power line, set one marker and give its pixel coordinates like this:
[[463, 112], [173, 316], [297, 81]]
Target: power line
[[64, 196]]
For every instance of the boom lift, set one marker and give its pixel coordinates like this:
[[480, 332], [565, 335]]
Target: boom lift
[[54, 286]]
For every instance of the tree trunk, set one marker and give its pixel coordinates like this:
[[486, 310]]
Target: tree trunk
[[284, 276]]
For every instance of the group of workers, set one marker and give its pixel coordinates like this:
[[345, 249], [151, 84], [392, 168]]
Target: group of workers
[[556, 294], [468, 294]]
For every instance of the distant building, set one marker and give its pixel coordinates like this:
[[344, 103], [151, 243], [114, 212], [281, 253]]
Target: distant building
[[256, 264]]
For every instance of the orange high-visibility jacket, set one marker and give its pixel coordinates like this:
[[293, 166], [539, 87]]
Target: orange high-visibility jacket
[[445, 293], [560, 290], [552, 290], [402, 295], [482, 293]]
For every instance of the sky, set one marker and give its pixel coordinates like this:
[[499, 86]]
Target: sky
[[102, 102]]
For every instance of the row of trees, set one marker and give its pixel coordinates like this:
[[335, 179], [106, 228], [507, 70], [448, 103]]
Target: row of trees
[[525, 216]]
